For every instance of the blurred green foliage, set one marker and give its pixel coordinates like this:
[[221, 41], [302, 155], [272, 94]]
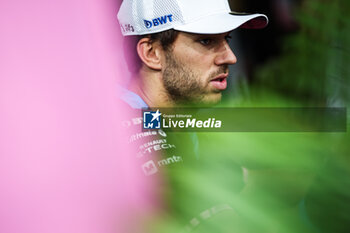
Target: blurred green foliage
[[257, 180], [314, 67], [276, 182]]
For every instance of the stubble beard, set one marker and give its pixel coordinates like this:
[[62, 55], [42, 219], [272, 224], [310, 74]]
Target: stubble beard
[[183, 86]]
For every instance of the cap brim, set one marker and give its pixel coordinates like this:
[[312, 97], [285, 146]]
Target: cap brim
[[224, 22]]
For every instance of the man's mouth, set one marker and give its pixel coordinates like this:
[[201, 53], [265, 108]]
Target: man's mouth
[[220, 81]]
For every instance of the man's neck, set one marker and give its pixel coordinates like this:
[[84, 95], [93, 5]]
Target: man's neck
[[150, 88]]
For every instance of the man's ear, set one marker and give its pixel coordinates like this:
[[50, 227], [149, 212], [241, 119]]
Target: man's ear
[[150, 53]]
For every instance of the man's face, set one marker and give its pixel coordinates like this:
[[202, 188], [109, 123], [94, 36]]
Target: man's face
[[196, 68]]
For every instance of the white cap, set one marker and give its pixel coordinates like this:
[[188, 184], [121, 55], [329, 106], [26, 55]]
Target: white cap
[[139, 17]]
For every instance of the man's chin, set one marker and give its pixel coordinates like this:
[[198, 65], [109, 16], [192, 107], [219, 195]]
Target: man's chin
[[207, 100], [212, 98]]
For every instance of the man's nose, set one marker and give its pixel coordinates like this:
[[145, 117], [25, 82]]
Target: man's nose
[[225, 55]]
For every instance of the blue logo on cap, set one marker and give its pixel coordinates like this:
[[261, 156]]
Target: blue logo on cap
[[158, 21], [148, 24]]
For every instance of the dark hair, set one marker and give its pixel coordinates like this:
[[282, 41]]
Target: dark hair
[[166, 39]]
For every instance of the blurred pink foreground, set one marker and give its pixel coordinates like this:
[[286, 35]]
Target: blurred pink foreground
[[64, 166]]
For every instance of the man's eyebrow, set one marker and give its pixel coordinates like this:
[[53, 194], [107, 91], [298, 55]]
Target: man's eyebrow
[[194, 36], [197, 35]]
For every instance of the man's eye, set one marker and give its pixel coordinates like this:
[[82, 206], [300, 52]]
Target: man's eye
[[205, 41]]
